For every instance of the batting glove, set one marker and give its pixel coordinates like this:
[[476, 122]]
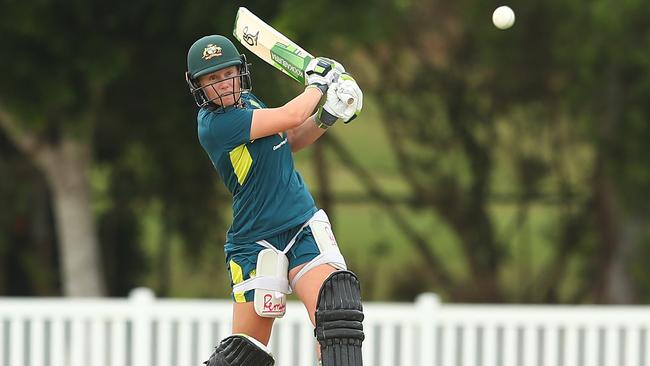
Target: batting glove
[[322, 72], [344, 101]]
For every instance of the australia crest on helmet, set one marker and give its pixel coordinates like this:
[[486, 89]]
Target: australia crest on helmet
[[211, 50]]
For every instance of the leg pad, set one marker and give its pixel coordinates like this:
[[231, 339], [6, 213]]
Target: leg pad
[[339, 317], [240, 350]]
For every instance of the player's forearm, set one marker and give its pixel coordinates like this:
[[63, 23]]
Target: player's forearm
[[302, 107], [304, 135]]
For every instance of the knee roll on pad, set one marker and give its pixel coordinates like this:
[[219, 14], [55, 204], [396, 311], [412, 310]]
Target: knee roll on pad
[[339, 316], [240, 350]]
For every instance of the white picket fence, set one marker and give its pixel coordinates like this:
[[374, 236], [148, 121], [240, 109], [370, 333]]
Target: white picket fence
[[143, 331]]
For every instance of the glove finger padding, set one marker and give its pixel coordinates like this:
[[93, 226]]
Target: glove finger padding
[[328, 113], [336, 106], [348, 89]]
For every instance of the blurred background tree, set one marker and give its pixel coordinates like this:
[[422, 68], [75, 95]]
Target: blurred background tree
[[488, 165]]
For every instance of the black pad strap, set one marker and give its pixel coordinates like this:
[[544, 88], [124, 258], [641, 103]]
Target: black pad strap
[[339, 316], [238, 350]]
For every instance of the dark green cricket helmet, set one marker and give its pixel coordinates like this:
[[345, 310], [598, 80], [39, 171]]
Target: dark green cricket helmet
[[210, 54]]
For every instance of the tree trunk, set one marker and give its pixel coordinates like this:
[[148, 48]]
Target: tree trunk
[[621, 289], [66, 166], [614, 286], [67, 169]]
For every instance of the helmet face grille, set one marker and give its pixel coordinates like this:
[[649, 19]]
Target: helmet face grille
[[210, 54], [201, 97]]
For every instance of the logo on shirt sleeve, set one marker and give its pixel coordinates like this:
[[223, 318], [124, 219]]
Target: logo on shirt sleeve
[[275, 147]]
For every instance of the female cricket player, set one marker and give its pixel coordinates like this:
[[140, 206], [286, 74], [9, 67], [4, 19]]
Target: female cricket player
[[279, 242]]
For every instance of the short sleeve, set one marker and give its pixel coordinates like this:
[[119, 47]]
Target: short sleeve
[[225, 131]]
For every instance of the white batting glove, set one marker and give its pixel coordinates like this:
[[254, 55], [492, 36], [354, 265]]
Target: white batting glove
[[322, 72], [344, 101], [348, 91]]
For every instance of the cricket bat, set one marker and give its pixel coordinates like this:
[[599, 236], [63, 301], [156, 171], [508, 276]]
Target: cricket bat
[[272, 46]]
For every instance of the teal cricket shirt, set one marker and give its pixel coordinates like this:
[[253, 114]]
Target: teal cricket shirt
[[269, 195]]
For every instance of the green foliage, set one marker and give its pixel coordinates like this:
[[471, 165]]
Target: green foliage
[[502, 149]]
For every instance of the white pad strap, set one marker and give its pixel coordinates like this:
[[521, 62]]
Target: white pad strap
[[330, 253], [336, 260], [277, 283], [265, 283], [293, 240]]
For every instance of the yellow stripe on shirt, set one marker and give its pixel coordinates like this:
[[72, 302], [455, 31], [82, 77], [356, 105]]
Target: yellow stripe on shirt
[[241, 161]]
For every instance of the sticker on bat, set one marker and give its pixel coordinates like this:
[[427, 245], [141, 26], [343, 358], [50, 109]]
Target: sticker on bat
[[250, 38]]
